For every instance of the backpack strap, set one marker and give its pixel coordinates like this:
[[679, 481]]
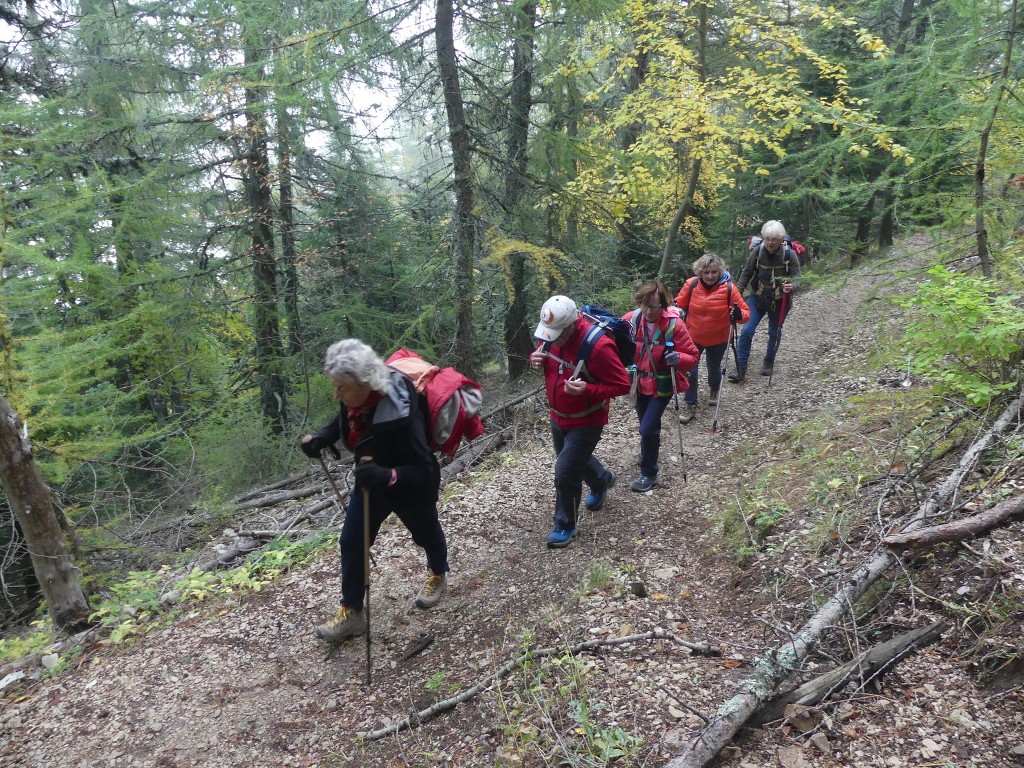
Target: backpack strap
[[590, 338]]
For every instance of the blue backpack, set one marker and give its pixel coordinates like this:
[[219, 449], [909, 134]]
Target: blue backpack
[[607, 322]]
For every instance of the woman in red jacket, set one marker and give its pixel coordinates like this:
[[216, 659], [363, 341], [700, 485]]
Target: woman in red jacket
[[656, 323], [711, 303]]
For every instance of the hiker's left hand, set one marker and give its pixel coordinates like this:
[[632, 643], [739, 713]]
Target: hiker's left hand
[[575, 386], [671, 359], [787, 287]]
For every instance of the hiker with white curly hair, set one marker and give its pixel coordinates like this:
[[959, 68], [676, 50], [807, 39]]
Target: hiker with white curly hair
[[770, 270], [383, 422]]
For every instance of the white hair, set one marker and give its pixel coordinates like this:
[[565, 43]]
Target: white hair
[[773, 228], [351, 360]]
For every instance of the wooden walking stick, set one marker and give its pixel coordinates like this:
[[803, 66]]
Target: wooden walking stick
[[366, 574]]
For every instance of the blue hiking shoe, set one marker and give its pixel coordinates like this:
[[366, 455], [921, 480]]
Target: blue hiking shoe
[[595, 500], [560, 538], [644, 483]]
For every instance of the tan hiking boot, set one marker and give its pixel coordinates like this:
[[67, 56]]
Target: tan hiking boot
[[430, 594], [688, 414], [346, 624]]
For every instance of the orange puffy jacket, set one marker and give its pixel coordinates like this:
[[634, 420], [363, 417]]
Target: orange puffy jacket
[[707, 309]]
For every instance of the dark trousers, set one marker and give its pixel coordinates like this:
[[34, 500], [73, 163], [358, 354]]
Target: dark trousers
[[747, 334], [575, 465], [419, 517], [649, 409], [713, 360]]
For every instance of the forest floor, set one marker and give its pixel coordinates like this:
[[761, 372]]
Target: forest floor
[[245, 682]]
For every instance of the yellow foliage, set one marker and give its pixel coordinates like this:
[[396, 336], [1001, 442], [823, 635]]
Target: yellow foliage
[[501, 250]]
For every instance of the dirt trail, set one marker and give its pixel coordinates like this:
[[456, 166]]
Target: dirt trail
[[248, 684]]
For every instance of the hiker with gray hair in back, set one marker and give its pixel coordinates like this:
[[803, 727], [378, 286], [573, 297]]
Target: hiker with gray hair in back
[[711, 304], [771, 271], [383, 421]]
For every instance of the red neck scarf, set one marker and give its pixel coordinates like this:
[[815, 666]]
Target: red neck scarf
[[359, 418]]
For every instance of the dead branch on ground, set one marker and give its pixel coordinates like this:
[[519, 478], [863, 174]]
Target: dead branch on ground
[[971, 527], [422, 716]]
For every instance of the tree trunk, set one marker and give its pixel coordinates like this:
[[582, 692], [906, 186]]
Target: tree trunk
[[981, 230], [257, 184], [286, 216], [971, 527], [632, 247], [458, 137], [32, 502], [863, 237], [518, 340], [691, 185]]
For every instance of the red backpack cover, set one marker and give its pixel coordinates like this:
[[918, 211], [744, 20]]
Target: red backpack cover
[[453, 400]]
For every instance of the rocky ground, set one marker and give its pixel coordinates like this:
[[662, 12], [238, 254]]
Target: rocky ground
[[246, 682]]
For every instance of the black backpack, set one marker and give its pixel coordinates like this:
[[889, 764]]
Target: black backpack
[[607, 322]]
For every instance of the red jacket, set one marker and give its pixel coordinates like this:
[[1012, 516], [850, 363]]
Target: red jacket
[[688, 354], [607, 378], [707, 309]]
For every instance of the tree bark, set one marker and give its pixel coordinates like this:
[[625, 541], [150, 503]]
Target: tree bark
[[32, 501], [257, 184], [981, 230], [518, 339], [691, 185], [458, 137], [966, 528], [867, 666]]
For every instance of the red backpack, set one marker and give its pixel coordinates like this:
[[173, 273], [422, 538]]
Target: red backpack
[[453, 400]]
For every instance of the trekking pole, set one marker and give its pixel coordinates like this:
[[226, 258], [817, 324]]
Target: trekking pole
[[732, 343], [783, 309], [334, 485], [718, 404], [366, 573], [669, 347]]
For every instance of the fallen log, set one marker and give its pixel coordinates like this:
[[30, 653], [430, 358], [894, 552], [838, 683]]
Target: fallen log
[[776, 665], [971, 527], [277, 498], [284, 482], [866, 667]]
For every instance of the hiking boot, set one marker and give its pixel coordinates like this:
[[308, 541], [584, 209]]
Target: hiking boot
[[430, 594], [348, 623], [560, 538], [713, 397], [595, 500], [740, 374], [688, 414], [644, 483], [767, 367]]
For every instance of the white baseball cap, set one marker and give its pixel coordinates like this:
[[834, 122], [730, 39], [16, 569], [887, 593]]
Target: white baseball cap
[[557, 314]]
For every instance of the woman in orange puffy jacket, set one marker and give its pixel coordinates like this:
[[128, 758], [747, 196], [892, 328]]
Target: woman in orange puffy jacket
[[663, 348], [711, 303]]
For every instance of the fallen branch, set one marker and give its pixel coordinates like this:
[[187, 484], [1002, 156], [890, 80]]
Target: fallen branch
[[776, 665], [277, 498], [254, 492], [971, 527], [869, 665], [417, 718]]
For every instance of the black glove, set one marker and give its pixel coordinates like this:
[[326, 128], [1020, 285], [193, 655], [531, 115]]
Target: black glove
[[315, 446], [370, 474], [734, 314], [671, 359]]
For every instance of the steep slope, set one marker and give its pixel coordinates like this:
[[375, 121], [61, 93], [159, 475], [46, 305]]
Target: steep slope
[[247, 683]]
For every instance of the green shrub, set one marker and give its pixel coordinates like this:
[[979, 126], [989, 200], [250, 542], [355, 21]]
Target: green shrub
[[965, 336]]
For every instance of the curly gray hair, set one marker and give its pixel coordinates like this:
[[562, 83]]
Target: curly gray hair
[[773, 228], [708, 260], [351, 360]]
